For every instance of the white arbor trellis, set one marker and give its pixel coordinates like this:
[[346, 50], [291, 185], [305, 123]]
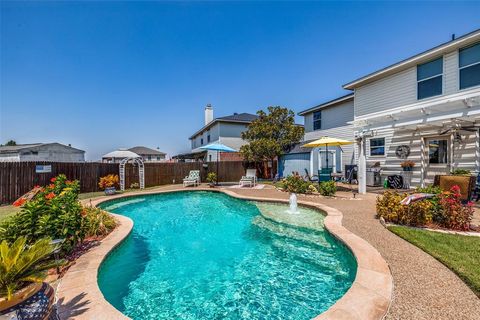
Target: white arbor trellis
[[141, 172]]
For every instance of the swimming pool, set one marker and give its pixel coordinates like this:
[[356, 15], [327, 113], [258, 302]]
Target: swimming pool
[[206, 255]]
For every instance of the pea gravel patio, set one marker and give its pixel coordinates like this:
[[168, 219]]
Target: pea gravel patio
[[424, 288]]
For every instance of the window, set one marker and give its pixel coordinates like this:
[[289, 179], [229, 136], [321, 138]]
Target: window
[[208, 138], [437, 150], [377, 146], [149, 157], [469, 64], [201, 141], [158, 158], [429, 79], [317, 120]]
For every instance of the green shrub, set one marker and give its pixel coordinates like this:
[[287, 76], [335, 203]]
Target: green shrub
[[296, 184], [327, 188], [54, 212], [97, 222], [461, 172], [418, 213], [212, 177]]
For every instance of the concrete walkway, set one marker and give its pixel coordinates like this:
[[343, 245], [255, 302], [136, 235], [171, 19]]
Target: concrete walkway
[[424, 288]]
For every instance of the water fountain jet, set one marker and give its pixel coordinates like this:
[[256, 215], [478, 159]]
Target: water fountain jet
[[293, 203]]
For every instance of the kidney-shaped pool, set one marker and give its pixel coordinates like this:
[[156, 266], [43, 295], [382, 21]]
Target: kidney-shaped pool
[[206, 255]]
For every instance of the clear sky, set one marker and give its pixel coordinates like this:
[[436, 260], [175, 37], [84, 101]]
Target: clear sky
[[104, 75]]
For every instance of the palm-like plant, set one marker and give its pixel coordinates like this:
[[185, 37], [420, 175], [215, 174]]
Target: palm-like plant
[[21, 264]]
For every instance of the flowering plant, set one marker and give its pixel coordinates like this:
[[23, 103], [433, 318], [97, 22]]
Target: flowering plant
[[112, 180], [455, 215], [53, 211]]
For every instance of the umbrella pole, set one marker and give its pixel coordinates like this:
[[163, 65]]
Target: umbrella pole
[[217, 169]]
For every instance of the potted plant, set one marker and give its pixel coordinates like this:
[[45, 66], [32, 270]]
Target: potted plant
[[407, 165], [109, 184], [23, 268], [212, 179]]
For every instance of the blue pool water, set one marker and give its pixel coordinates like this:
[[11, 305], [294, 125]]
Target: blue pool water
[[205, 255]]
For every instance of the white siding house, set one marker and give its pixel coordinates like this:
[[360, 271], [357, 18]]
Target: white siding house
[[225, 130], [331, 119], [425, 109]]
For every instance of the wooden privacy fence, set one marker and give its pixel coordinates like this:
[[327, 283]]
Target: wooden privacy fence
[[157, 174], [17, 178]]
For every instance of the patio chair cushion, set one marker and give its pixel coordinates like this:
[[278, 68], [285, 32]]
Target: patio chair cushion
[[466, 184]]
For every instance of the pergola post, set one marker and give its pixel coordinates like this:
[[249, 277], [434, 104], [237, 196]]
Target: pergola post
[[362, 166]]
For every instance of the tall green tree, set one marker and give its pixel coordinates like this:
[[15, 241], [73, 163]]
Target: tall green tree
[[11, 143], [271, 135]]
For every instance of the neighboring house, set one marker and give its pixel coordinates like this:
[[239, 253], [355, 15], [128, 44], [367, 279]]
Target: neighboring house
[[41, 152], [329, 119], [425, 108], [225, 130], [149, 155]]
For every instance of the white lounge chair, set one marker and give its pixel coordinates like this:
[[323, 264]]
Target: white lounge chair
[[193, 178], [250, 178]]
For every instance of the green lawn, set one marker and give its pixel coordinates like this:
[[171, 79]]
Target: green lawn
[[6, 211], [461, 254]]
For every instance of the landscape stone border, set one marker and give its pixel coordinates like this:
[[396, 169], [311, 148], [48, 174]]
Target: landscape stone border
[[369, 297]]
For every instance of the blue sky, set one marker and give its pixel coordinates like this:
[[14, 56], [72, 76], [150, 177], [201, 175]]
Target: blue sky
[[104, 75]]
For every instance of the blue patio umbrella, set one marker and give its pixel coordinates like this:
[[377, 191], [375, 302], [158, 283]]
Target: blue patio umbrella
[[219, 148]]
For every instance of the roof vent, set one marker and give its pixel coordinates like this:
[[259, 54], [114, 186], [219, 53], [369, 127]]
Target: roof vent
[[453, 36], [235, 113]]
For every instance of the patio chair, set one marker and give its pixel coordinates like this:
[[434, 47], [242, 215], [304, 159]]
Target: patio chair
[[250, 178], [313, 178], [193, 178], [325, 174], [466, 184]]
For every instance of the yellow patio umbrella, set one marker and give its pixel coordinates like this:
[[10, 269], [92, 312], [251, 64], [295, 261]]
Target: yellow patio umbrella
[[326, 142]]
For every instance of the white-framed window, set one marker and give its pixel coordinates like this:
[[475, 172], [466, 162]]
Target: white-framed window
[[377, 146], [430, 79], [317, 120], [469, 66], [437, 150]]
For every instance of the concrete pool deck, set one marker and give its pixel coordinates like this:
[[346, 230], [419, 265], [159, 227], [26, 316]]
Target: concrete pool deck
[[424, 288]]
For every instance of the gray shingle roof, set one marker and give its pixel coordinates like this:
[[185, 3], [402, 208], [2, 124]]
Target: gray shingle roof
[[141, 150], [9, 149], [239, 117], [236, 117]]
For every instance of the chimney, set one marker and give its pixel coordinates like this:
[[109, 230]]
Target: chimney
[[208, 114]]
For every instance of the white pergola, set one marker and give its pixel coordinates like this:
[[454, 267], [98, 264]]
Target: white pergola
[[454, 111]]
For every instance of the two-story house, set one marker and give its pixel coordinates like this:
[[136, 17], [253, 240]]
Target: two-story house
[[425, 109], [225, 130], [330, 119]]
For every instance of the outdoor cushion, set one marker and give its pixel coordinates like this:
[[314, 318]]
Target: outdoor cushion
[[466, 184]]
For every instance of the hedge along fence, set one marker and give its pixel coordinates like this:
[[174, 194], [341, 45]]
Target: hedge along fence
[[17, 178]]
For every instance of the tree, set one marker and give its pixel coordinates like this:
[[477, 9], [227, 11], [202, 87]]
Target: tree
[[271, 135], [11, 143]]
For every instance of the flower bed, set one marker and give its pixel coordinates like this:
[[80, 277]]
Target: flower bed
[[443, 209]]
